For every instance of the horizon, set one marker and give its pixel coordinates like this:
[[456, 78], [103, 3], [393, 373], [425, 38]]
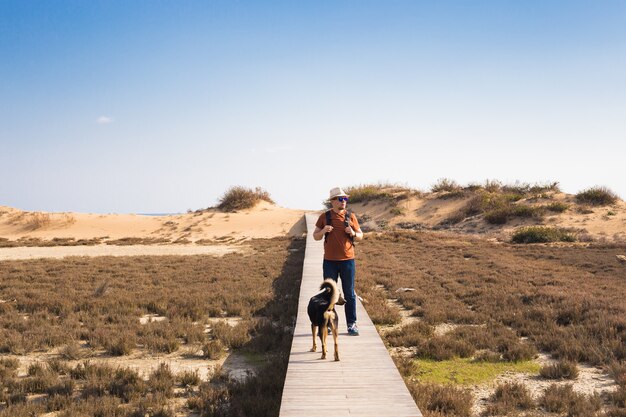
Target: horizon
[[143, 107]]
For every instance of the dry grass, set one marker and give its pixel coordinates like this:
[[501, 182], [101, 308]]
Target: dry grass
[[57, 241], [560, 370], [241, 198], [542, 234], [508, 398], [387, 192], [62, 304], [500, 203], [506, 301], [565, 300], [445, 184], [597, 196], [563, 399]]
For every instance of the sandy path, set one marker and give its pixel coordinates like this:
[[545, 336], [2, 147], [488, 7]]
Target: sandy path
[[111, 250]]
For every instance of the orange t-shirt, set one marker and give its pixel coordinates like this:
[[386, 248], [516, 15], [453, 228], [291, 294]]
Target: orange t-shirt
[[338, 246]]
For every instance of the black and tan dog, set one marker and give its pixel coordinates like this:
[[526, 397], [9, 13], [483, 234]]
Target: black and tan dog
[[322, 313]]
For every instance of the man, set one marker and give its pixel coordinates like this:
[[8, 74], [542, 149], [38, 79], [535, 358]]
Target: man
[[339, 237]]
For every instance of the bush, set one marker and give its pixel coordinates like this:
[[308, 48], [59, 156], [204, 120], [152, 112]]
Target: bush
[[541, 234], [162, 380], [188, 378], [618, 397], [233, 337], [126, 384], [509, 397], [213, 349], [444, 399], [8, 368], [556, 398], [557, 207], [241, 198], [560, 370], [597, 196], [445, 184], [559, 399]]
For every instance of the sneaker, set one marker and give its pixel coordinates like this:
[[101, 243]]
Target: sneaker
[[353, 330]]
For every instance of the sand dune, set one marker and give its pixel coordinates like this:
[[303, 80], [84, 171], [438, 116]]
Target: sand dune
[[214, 230], [265, 220]]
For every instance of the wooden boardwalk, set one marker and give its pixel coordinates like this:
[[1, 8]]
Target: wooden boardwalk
[[365, 382]]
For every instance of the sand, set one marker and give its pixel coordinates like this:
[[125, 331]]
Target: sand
[[604, 224], [59, 252], [204, 232]]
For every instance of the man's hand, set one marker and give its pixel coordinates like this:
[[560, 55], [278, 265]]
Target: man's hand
[[327, 229], [350, 231]]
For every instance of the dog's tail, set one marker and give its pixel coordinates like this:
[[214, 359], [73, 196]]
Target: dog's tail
[[329, 285]]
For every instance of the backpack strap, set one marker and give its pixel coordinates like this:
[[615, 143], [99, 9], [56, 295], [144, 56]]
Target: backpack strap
[[346, 223], [328, 222]]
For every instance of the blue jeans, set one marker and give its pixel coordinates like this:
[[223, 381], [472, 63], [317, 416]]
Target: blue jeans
[[345, 270]]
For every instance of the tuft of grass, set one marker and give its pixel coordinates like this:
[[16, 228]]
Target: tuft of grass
[[508, 397], [389, 192], [241, 198], [597, 196], [541, 234], [465, 371], [563, 399], [37, 220], [557, 207], [445, 184], [162, 380], [188, 378], [444, 400], [213, 349], [561, 370]]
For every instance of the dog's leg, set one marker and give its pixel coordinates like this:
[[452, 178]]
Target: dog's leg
[[313, 330], [335, 336], [324, 335]]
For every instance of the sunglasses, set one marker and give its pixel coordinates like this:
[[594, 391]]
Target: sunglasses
[[341, 199]]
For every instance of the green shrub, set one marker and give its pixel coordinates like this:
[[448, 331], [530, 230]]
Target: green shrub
[[597, 196], [557, 207], [381, 191], [241, 198], [541, 234]]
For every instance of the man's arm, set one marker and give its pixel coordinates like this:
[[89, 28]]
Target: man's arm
[[318, 233], [356, 234]]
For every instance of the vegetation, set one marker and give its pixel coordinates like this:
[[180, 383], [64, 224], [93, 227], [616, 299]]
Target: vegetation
[[391, 193], [500, 203], [445, 184], [509, 397], [597, 196], [502, 304], [560, 370], [542, 234], [468, 371], [99, 302], [241, 198]]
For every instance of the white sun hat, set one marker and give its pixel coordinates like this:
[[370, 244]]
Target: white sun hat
[[337, 192]]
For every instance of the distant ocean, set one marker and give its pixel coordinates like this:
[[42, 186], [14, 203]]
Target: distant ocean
[[158, 214]]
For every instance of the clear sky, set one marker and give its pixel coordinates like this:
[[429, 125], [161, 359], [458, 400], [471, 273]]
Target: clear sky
[[156, 106]]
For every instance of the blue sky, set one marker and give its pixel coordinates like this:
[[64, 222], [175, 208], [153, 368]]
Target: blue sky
[[155, 106]]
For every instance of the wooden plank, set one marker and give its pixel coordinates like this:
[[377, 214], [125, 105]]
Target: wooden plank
[[365, 382]]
